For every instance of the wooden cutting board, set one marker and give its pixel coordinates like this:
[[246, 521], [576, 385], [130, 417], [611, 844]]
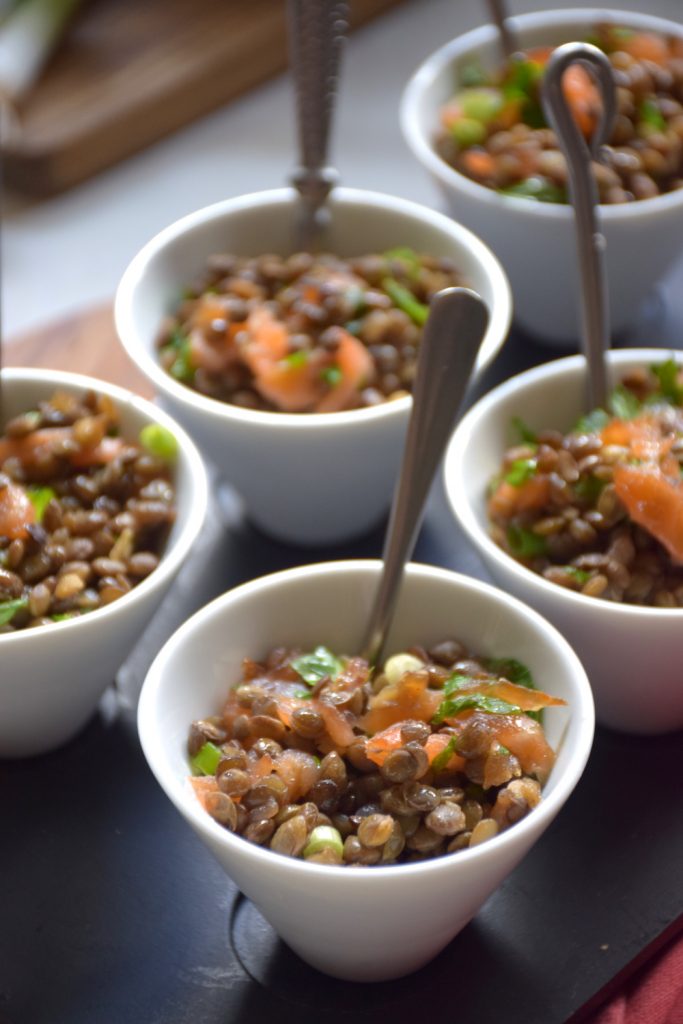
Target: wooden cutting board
[[83, 343], [131, 71]]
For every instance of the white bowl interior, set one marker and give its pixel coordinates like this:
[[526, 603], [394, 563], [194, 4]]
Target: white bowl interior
[[329, 604]]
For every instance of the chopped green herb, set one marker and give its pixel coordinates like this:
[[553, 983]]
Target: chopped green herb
[[205, 761], [441, 760], [454, 683], [407, 256], [524, 543], [471, 73], [623, 403], [405, 300], [651, 117], [8, 609], [40, 498], [580, 575], [503, 750], [315, 666], [159, 442], [63, 616], [667, 375], [303, 694], [536, 187], [478, 701], [592, 423], [524, 432], [332, 376], [511, 669], [589, 489], [181, 368], [520, 471], [296, 359]]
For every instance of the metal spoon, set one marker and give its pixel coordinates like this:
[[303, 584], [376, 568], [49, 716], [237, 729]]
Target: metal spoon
[[584, 197], [452, 336], [499, 17], [316, 34]]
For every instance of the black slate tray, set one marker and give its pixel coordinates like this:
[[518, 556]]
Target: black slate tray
[[112, 911]]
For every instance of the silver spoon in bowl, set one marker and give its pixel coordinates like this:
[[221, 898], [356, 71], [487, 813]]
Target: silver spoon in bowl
[[452, 336], [499, 17], [316, 30], [584, 197]]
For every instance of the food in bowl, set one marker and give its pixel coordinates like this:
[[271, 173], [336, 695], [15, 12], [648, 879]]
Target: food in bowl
[[84, 511], [304, 333], [315, 757], [494, 130], [600, 509]]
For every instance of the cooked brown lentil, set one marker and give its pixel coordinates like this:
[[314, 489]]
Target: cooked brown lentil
[[304, 333], [494, 130], [443, 755], [612, 531], [84, 512]]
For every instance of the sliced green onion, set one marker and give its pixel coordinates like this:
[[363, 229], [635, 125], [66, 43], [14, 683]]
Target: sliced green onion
[[405, 300], [332, 376], [525, 433], [520, 471], [323, 837], [8, 609], [525, 543], [651, 118], [536, 187], [623, 403], [205, 761], [40, 498], [667, 375], [467, 131], [441, 760], [159, 442]]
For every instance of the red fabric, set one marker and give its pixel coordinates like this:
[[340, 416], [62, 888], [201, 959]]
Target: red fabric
[[652, 996]]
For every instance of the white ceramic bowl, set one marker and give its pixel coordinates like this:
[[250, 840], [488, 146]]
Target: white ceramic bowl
[[52, 677], [373, 923], [307, 478], [632, 655], [535, 241]]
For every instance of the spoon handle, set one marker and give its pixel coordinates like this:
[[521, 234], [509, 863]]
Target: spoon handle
[[316, 33], [452, 336], [499, 17], [584, 196]]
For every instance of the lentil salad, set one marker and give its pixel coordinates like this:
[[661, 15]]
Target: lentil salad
[[315, 757], [304, 333], [494, 130], [84, 511], [599, 509]]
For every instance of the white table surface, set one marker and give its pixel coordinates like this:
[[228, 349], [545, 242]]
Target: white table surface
[[67, 253]]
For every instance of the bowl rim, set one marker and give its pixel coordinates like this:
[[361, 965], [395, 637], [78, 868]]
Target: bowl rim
[[432, 66], [175, 552], [500, 313], [461, 504], [150, 711]]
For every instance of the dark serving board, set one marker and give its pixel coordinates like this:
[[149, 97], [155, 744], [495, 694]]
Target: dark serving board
[[112, 910]]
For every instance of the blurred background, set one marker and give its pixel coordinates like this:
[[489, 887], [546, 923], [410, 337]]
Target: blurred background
[[146, 111]]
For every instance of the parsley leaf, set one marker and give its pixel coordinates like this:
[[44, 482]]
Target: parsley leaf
[[525, 433], [623, 403], [524, 543], [317, 664], [478, 701], [441, 760], [40, 498], [667, 375], [592, 423], [8, 609]]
